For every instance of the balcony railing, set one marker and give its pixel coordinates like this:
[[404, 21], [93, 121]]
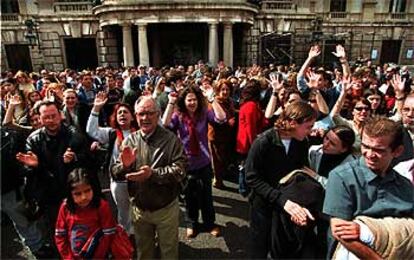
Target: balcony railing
[[67, 7], [398, 16], [278, 5], [338, 15], [10, 17]]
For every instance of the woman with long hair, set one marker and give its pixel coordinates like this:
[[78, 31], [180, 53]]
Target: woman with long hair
[[377, 101], [122, 124], [190, 123], [24, 82], [221, 137]]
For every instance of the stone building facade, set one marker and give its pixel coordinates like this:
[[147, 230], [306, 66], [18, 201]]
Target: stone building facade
[[84, 34]]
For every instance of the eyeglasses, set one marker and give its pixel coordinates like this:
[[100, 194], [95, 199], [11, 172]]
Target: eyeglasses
[[359, 109], [407, 110], [146, 113]]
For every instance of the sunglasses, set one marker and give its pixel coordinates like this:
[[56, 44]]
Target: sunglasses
[[362, 108]]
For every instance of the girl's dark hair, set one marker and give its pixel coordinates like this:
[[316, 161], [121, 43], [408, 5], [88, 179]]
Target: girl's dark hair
[[371, 92], [81, 176], [112, 119], [251, 91], [346, 135], [200, 100]]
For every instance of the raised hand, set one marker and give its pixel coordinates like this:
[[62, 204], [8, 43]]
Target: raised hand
[[68, 156], [207, 90], [314, 51], [346, 84], [298, 214], [277, 84], [340, 52], [128, 156], [28, 159], [172, 97], [100, 100], [398, 84], [313, 81], [15, 100]]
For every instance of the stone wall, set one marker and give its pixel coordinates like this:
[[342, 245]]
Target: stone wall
[[107, 48]]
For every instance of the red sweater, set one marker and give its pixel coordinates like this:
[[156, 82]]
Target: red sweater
[[251, 123], [89, 230]]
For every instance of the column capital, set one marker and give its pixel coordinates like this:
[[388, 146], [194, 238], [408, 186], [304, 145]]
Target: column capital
[[141, 26], [125, 24], [228, 24]]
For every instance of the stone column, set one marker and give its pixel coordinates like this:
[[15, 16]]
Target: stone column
[[228, 44], [127, 49], [143, 45], [213, 50]]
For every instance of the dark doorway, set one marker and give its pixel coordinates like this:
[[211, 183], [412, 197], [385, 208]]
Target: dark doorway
[[18, 57], [276, 49], [390, 51], [172, 44], [81, 53]]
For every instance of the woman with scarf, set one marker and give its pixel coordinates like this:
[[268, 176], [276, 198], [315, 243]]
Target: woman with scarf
[[190, 123], [122, 125], [221, 137]]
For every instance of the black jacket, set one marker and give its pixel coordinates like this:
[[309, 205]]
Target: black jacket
[[47, 182], [267, 163]]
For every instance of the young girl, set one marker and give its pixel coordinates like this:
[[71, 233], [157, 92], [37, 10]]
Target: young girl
[[85, 225]]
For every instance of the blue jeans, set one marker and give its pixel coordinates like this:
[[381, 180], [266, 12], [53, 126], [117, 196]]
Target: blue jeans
[[243, 188], [29, 231]]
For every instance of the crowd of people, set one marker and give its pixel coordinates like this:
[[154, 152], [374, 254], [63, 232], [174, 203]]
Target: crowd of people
[[323, 152]]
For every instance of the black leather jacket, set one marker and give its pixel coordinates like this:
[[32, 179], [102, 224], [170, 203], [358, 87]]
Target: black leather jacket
[[47, 182]]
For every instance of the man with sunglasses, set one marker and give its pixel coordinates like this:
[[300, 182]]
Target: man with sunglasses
[[368, 187]]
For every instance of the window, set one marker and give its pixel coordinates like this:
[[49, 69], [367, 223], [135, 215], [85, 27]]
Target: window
[[9, 7], [397, 6], [338, 6]]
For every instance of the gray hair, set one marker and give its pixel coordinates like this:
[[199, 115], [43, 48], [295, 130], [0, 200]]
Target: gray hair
[[143, 99]]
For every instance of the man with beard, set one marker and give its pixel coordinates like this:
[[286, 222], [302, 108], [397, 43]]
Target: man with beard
[[51, 153]]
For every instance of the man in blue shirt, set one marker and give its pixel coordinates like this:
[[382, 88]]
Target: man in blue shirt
[[368, 186]]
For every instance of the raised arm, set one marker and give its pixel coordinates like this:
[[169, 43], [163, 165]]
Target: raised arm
[[277, 85], [14, 102], [341, 100], [320, 101], [340, 53], [399, 84], [313, 53], [166, 117], [101, 134]]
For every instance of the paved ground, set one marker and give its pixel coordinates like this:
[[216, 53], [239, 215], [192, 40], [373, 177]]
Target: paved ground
[[231, 215]]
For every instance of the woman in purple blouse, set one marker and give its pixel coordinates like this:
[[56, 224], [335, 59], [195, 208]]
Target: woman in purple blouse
[[190, 122]]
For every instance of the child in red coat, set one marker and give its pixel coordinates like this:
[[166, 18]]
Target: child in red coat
[[85, 226]]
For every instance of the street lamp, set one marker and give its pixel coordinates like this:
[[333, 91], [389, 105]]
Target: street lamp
[[31, 34]]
